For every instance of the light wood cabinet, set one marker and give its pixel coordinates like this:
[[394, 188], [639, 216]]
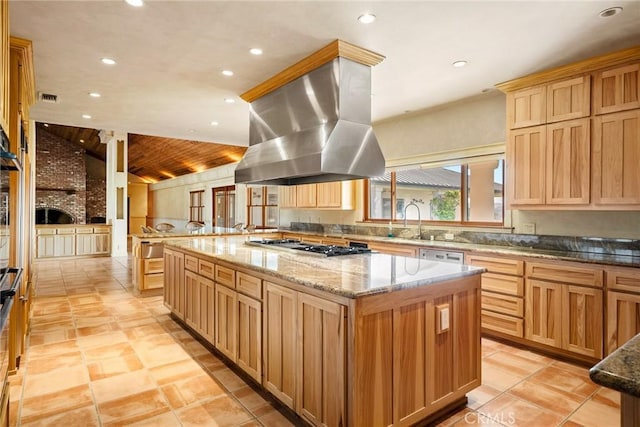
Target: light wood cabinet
[[526, 156], [64, 245], [174, 298], [306, 195], [616, 156], [192, 297], [84, 244], [569, 99], [45, 246], [527, 107], [226, 318], [72, 241], [287, 196], [623, 319], [280, 342], [617, 89], [543, 312], [321, 359], [249, 353], [393, 249], [329, 195], [4, 65], [582, 320], [567, 163]]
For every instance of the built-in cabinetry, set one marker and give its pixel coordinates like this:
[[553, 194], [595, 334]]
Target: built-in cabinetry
[[4, 65], [502, 293], [326, 195], [77, 240], [623, 306], [574, 135]]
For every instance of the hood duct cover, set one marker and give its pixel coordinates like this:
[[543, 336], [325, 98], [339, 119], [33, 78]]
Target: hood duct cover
[[316, 128]]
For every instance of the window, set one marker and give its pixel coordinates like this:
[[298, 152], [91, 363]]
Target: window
[[262, 206], [465, 193], [196, 206], [224, 206]]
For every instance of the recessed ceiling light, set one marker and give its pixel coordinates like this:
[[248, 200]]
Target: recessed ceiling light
[[229, 100], [82, 141], [86, 116], [46, 125], [367, 18], [214, 123], [227, 73], [108, 61], [459, 64], [607, 13], [94, 94], [134, 3], [255, 51]]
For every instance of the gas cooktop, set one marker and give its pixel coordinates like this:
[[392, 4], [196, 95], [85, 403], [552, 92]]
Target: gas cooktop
[[311, 249]]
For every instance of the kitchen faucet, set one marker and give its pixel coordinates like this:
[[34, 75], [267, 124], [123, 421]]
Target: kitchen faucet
[[413, 202]]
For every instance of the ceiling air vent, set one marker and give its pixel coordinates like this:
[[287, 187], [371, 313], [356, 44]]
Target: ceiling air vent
[[48, 97]]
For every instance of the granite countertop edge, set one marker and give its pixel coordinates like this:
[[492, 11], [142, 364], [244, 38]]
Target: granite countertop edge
[[620, 370]]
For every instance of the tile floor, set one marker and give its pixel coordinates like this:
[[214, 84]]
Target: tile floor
[[100, 356]]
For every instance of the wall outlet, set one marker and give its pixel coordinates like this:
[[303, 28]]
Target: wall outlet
[[448, 236], [529, 228]]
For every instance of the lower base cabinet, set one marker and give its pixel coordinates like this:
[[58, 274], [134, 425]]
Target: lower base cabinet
[[199, 304], [249, 354], [623, 319], [226, 318]]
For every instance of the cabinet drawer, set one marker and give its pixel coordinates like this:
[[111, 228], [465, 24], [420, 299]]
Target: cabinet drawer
[[496, 264], [153, 281], [624, 279], [502, 323], [225, 276], [565, 273], [154, 265], [67, 230], [337, 242], [44, 231], [249, 285], [191, 263], [101, 230], [84, 230], [206, 269], [504, 304], [504, 284]]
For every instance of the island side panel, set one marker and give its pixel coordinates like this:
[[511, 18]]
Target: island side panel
[[409, 364]]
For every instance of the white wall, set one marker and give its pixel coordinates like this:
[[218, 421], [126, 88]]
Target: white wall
[[170, 198]]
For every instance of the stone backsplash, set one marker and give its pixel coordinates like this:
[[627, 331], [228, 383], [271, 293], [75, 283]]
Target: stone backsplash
[[629, 247]]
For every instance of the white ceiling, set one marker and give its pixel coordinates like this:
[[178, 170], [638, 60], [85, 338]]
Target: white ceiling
[[170, 54]]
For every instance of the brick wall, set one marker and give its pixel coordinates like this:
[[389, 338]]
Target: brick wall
[[96, 203], [60, 175]]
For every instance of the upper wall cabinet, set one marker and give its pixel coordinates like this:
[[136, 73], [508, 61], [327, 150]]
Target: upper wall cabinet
[[574, 135], [326, 195], [4, 64], [617, 89]]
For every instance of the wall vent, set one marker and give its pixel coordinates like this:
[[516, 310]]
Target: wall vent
[[48, 97]]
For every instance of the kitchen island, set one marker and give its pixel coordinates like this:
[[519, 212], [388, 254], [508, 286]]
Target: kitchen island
[[357, 340]]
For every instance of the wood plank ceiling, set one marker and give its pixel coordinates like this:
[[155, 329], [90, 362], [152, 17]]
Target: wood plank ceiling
[[153, 158]]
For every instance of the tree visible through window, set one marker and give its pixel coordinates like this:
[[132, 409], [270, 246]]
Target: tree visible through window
[[465, 193]]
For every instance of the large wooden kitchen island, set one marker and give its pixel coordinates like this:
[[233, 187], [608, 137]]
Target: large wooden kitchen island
[[358, 340]]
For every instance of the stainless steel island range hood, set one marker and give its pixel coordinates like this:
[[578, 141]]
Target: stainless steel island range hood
[[316, 127]]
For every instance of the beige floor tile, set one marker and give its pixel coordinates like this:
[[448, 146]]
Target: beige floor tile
[[229, 379], [571, 381], [175, 371], [273, 418], [194, 389], [133, 408], [481, 395], [167, 419], [119, 386], [497, 377], [250, 399], [158, 350], [509, 410], [106, 368], [595, 413], [101, 340], [51, 404], [608, 397], [222, 411], [85, 417], [55, 381], [43, 364], [107, 351], [546, 396]]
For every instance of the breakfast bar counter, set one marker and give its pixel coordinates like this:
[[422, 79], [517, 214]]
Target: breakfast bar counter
[[356, 340]]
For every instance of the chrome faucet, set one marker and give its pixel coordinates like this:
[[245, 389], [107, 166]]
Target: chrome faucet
[[413, 202]]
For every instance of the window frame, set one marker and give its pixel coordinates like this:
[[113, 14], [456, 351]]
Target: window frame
[[198, 209], [464, 173]]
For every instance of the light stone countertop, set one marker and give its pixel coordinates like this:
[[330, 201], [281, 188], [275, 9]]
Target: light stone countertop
[[351, 276], [621, 369]]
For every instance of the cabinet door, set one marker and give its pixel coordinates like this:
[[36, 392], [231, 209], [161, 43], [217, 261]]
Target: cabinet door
[[46, 246], [101, 243], [616, 156], [280, 342], [174, 282], [192, 298], [287, 196], [321, 361], [527, 107], [64, 245], [84, 244], [329, 195], [226, 320], [623, 319], [206, 311], [568, 162], [401, 250], [617, 89], [525, 166], [582, 320], [306, 196], [569, 99], [250, 336], [543, 312]]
